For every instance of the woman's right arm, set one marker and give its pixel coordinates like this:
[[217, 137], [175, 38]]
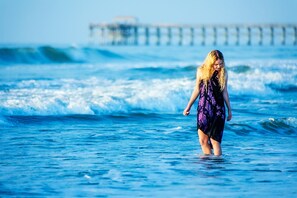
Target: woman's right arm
[[194, 96]]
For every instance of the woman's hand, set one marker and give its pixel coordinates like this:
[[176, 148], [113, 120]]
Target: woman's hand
[[186, 111], [229, 116]]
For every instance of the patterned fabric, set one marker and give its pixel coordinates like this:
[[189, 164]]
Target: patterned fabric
[[211, 109]]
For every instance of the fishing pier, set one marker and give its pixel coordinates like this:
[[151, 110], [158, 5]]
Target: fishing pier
[[128, 31]]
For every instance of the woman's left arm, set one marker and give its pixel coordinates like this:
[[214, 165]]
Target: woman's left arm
[[227, 101]]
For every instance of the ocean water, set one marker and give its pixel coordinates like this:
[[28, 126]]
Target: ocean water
[[90, 121]]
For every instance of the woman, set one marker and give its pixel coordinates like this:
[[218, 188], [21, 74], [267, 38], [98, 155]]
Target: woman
[[211, 85]]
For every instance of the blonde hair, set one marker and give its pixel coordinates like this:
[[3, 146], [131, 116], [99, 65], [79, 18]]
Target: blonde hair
[[206, 70]]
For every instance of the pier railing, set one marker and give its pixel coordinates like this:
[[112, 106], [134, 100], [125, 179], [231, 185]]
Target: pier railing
[[174, 34]]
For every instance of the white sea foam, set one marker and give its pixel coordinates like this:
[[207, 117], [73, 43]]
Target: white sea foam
[[114, 175], [87, 176], [172, 130], [258, 78], [94, 96], [255, 81]]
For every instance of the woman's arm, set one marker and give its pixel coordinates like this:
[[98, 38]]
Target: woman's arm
[[194, 96], [227, 101]]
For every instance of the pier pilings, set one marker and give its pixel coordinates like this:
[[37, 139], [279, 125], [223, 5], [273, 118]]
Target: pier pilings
[[164, 34]]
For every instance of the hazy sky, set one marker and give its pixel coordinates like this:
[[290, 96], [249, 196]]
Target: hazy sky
[[67, 21]]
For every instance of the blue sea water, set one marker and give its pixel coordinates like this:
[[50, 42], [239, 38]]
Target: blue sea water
[[89, 121]]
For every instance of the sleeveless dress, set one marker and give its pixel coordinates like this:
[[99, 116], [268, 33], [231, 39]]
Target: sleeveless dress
[[211, 109]]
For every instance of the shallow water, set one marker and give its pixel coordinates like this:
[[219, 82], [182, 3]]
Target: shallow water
[[111, 125]]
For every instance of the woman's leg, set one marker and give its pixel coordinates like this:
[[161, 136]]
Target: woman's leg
[[217, 150], [203, 139]]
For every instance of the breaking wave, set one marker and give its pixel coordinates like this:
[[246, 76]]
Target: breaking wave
[[48, 54]]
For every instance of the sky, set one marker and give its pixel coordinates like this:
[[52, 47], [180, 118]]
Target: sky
[[67, 21]]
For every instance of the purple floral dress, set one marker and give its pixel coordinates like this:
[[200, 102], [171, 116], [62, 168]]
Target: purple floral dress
[[211, 109]]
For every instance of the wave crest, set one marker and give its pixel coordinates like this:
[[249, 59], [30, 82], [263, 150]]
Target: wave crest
[[95, 97], [49, 54], [281, 125]]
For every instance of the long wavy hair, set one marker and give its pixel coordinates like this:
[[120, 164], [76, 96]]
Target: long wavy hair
[[206, 70]]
